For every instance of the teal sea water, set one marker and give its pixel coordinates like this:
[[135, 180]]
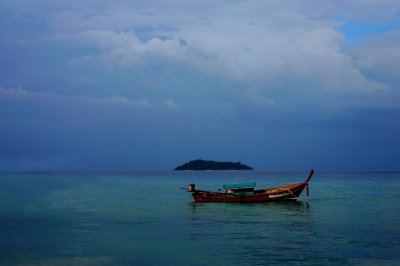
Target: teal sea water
[[352, 218]]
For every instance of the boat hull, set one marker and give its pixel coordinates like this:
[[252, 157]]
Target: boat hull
[[284, 193]]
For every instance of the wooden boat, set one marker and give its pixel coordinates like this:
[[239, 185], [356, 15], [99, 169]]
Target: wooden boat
[[245, 193]]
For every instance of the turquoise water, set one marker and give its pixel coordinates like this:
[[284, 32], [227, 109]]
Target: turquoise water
[[352, 218]]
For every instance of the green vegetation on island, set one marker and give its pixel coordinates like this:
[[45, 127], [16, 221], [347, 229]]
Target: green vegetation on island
[[201, 165]]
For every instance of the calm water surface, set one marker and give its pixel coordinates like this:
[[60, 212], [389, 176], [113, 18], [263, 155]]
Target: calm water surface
[[352, 218]]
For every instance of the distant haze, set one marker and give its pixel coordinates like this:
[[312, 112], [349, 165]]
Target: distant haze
[[147, 85]]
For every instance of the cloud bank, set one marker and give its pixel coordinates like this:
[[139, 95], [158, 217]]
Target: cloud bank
[[210, 70]]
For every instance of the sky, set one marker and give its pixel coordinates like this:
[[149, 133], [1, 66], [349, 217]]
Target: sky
[[124, 85]]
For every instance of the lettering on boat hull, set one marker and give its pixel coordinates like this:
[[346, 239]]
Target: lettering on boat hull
[[279, 195]]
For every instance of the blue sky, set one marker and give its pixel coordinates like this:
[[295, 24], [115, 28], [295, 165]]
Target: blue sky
[[148, 85]]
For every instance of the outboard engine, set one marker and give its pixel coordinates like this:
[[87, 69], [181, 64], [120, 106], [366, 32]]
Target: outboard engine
[[191, 188]]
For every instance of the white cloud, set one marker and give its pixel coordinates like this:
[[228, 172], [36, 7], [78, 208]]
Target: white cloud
[[124, 49], [255, 43], [21, 95], [280, 54], [277, 53], [170, 104], [379, 57], [125, 101]]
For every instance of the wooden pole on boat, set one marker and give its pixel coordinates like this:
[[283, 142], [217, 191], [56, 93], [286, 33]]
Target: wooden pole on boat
[[310, 175], [308, 180]]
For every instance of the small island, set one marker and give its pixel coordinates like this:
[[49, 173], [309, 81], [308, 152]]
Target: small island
[[201, 165]]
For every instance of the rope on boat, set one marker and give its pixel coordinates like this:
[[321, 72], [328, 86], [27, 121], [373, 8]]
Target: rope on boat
[[291, 193]]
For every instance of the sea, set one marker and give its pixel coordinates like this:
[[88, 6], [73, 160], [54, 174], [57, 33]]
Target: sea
[[349, 218]]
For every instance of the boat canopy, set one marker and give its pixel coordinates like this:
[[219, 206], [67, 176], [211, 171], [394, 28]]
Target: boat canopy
[[240, 185]]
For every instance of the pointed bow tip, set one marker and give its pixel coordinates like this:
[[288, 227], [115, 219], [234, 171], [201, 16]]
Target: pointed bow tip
[[310, 175]]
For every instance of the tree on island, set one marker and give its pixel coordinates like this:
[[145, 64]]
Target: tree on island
[[200, 165]]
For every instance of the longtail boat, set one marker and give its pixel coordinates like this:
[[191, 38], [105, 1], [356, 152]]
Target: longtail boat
[[245, 193]]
